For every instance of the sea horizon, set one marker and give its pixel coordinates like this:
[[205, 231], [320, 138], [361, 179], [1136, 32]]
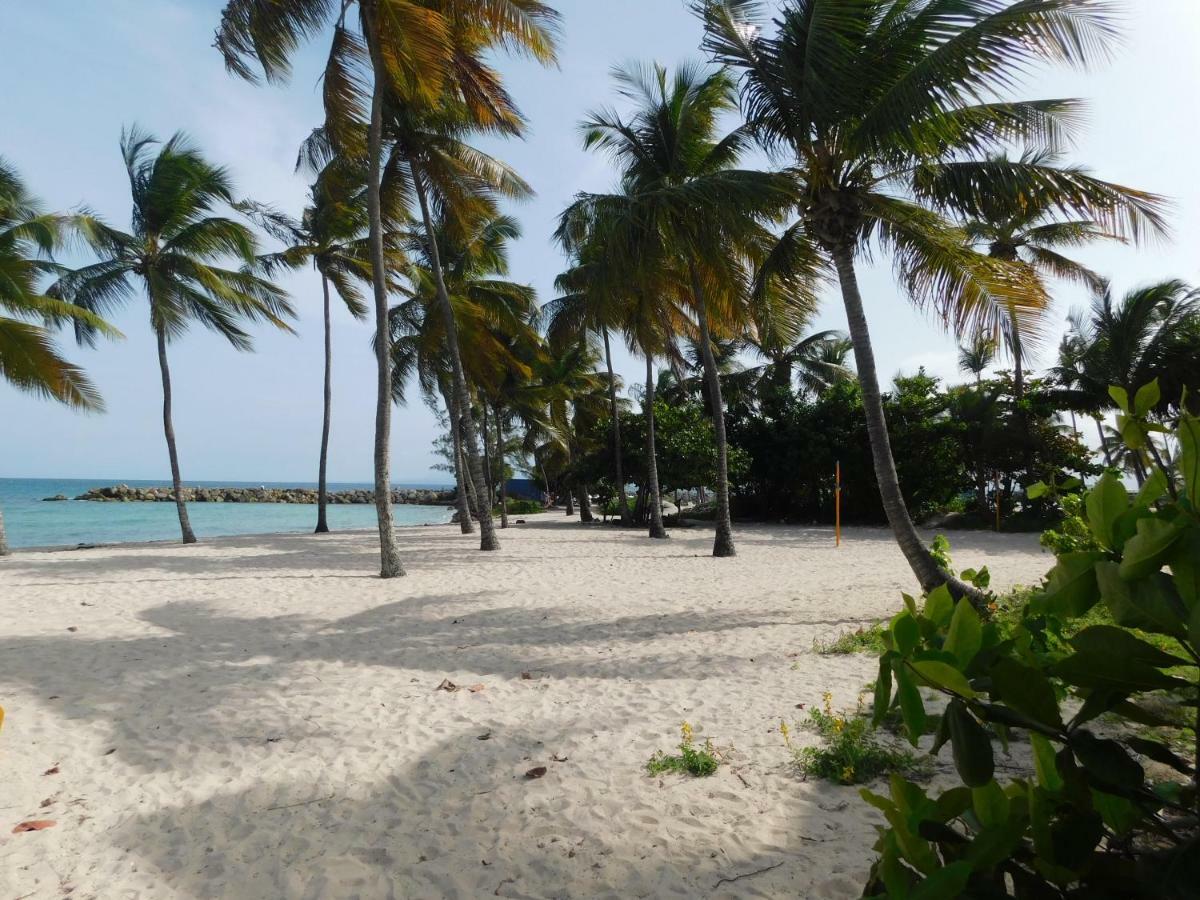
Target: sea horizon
[[31, 521]]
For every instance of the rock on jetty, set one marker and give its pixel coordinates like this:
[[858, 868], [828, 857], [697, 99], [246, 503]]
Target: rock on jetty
[[123, 493]]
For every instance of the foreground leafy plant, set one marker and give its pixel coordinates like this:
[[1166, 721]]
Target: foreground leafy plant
[[697, 761], [1089, 823], [850, 754]]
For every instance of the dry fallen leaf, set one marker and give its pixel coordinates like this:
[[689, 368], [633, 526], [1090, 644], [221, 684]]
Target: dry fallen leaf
[[486, 736], [536, 772], [558, 758], [53, 770], [527, 676], [34, 825], [447, 685], [475, 688]]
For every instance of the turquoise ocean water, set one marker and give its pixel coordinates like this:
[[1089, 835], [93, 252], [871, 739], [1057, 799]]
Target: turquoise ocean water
[[30, 522]]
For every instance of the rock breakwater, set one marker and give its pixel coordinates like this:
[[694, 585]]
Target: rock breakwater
[[123, 493]]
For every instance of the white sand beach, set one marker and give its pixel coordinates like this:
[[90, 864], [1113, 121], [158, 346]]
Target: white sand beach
[[259, 717]]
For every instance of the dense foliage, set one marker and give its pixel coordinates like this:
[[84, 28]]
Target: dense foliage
[[1093, 821]]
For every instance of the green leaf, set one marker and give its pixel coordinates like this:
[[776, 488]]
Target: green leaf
[[1146, 398], [883, 690], [1037, 489], [1146, 551], [1185, 566], [1160, 753], [1104, 504], [1071, 588], [946, 883], [906, 633], [1133, 432], [1120, 397], [1118, 813], [1105, 672], [1108, 639], [939, 606], [1188, 433], [912, 708], [1026, 690], [1108, 765], [1151, 604], [971, 745], [953, 803], [966, 633], [943, 676], [1153, 488], [1194, 628], [990, 803], [1043, 762]]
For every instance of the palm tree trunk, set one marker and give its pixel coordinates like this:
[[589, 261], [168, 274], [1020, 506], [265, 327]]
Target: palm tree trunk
[[489, 471], [4, 551], [503, 479], [487, 530], [623, 502], [327, 408], [656, 523], [1108, 460], [185, 526], [1019, 393], [570, 503], [585, 503], [723, 542], [919, 559], [461, 499], [389, 553]]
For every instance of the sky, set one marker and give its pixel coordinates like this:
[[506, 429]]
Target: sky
[[76, 71]]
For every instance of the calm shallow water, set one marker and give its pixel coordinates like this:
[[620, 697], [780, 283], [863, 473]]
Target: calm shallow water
[[30, 522]]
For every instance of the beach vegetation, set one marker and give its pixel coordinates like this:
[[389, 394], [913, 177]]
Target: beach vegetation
[[851, 751], [697, 760], [1105, 648]]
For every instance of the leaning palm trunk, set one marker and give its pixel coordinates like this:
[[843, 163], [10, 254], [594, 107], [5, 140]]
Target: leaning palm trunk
[[389, 553], [623, 502], [461, 499], [487, 530], [919, 559], [489, 470], [503, 479], [570, 503], [185, 526], [656, 522], [322, 486], [3, 537], [723, 542], [1108, 460]]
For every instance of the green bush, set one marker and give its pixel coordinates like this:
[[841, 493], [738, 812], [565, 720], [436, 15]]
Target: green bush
[[850, 754], [1090, 822], [863, 640], [697, 761]]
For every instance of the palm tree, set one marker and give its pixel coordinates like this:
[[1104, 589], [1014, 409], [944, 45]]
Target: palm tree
[[682, 199], [890, 112], [587, 306], [977, 356], [814, 363], [1150, 333], [331, 237], [29, 361], [172, 249], [416, 55]]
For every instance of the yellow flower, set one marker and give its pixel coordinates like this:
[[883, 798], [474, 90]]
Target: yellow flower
[[827, 698], [839, 723], [848, 774], [686, 730]]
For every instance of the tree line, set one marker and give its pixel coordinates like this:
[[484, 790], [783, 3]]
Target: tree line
[[890, 132]]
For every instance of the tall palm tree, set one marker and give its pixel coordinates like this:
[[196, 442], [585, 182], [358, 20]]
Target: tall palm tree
[[171, 252], [589, 304], [814, 363], [890, 112], [415, 55], [682, 198], [29, 360], [331, 236]]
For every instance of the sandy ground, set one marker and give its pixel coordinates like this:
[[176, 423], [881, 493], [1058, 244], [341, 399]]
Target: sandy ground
[[258, 717]]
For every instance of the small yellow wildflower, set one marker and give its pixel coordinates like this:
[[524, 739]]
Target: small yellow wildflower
[[827, 699], [686, 730], [838, 724], [786, 732], [848, 774]]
